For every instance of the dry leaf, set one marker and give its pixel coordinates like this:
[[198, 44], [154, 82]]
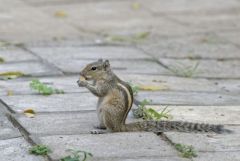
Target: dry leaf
[[136, 6], [1, 60], [12, 74], [29, 113], [153, 87], [9, 93], [60, 14]]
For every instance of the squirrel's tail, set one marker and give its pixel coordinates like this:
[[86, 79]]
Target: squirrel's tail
[[180, 126]]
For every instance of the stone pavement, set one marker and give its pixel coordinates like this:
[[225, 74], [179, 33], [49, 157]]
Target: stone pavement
[[188, 50]]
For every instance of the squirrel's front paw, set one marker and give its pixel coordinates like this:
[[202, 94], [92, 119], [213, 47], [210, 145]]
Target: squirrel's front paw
[[82, 82]]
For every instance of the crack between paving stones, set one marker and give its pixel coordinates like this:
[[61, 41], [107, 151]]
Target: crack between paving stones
[[7, 108], [60, 112], [25, 134], [169, 141], [44, 61]]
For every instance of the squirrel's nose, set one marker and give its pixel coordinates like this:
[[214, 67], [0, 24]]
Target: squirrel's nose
[[77, 81]]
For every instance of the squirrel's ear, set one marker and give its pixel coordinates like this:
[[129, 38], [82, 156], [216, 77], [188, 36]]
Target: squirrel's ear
[[106, 64], [100, 60]]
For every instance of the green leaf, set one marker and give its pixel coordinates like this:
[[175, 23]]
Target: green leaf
[[39, 150], [43, 88], [186, 150], [76, 155]]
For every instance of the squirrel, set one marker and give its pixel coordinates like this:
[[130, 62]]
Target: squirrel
[[115, 102]]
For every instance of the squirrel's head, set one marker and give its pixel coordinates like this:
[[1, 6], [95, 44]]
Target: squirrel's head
[[96, 70]]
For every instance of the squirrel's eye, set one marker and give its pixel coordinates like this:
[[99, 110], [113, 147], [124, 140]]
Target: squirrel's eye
[[94, 68]]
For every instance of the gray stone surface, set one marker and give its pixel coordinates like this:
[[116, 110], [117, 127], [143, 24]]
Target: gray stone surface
[[42, 28], [204, 46], [142, 159], [58, 123], [89, 52], [52, 103], [33, 68], [172, 83], [11, 54], [209, 142], [21, 86], [228, 115], [68, 34], [232, 36], [16, 149], [118, 145], [164, 83], [189, 6], [216, 156], [67, 123], [207, 68], [119, 66], [118, 18], [180, 98], [223, 20], [7, 130]]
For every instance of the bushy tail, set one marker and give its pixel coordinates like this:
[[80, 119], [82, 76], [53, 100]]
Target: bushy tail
[[180, 126]]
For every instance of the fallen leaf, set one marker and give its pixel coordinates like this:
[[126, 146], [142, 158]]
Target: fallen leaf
[[4, 43], [60, 14], [1, 60], [136, 6], [29, 113], [142, 35], [152, 87], [12, 74], [9, 93]]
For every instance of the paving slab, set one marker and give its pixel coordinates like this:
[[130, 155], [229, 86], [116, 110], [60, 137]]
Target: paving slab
[[21, 86], [228, 115], [10, 54], [209, 142], [42, 28], [41, 3], [16, 149], [172, 83], [164, 83], [207, 68], [212, 22], [67, 123], [203, 46], [33, 68], [142, 159], [89, 52], [180, 98], [52, 103], [61, 123], [117, 145], [216, 156], [12, 4], [190, 6], [74, 66], [209, 146], [107, 18], [7, 129], [231, 36]]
